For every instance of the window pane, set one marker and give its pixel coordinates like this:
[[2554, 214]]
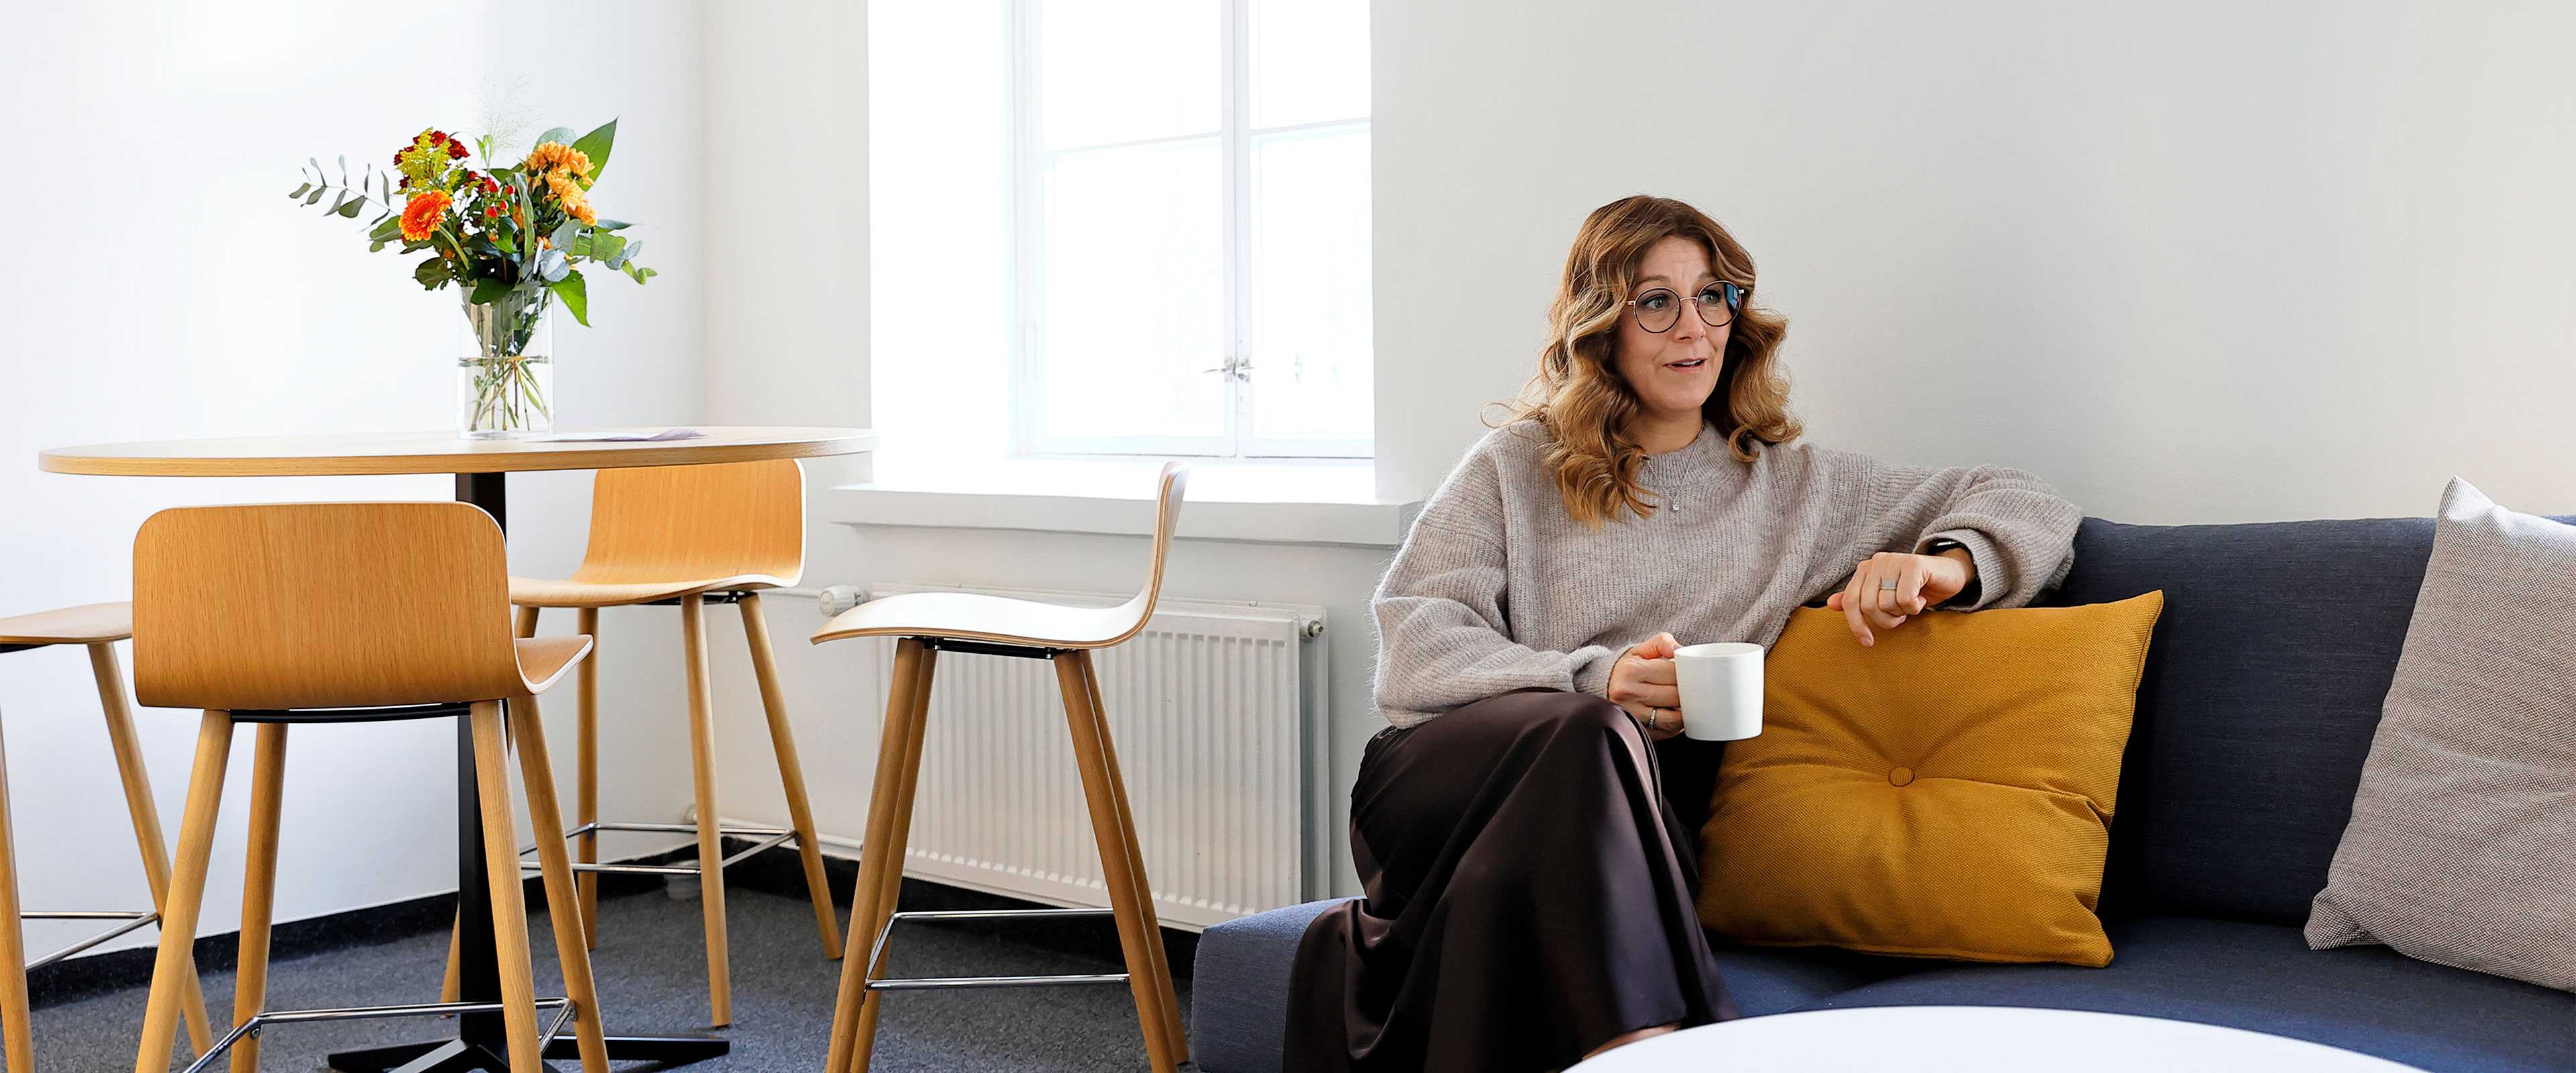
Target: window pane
[[1310, 280], [1310, 61], [1128, 71], [1134, 304]]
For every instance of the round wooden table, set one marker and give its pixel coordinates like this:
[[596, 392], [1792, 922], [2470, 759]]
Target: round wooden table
[[1982, 1039], [481, 468]]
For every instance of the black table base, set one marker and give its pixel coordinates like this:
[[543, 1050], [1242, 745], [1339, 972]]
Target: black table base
[[481, 1042]]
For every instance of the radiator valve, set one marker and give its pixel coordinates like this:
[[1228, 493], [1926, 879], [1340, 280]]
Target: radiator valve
[[835, 599]]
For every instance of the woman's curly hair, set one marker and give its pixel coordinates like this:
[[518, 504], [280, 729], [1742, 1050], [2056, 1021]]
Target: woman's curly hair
[[1583, 403]]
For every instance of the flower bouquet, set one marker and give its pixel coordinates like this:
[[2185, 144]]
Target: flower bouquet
[[508, 237]]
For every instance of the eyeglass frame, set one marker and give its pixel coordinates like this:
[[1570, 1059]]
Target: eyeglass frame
[[1736, 297]]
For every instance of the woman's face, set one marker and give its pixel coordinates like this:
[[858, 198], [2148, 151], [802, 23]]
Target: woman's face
[[1674, 370]]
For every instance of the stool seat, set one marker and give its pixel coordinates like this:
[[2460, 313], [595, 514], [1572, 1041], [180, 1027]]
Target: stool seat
[[574, 592], [543, 660], [979, 617], [87, 624]]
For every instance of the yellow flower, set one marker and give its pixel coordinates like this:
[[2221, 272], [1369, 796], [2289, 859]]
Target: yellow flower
[[558, 158]]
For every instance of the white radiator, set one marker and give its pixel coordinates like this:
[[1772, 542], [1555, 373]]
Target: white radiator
[[1209, 711]]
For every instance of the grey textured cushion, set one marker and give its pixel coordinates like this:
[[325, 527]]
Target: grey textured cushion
[[2263, 977], [2462, 846]]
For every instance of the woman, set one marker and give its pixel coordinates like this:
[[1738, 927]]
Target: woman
[[1530, 874]]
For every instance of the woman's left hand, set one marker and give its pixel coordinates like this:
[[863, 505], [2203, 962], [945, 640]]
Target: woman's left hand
[[1921, 581]]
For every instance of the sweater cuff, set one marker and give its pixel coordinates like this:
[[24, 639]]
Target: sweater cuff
[[1592, 675], [1988, 584]]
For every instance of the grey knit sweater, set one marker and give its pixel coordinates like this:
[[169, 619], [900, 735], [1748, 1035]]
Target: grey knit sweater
[[1497, 588]]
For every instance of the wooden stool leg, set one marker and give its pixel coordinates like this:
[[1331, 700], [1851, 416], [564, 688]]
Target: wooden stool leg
[[452, 982], [585, 793], [147, 821], [501, 864], [791, 773], [702, 767], [187, 893], [259, 888], [538, 772], [880, 855], [1111, 831], [17, 1037], [1163, 989]]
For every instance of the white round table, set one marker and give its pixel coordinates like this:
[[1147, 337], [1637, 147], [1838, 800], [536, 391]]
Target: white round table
[[1983, 1039]]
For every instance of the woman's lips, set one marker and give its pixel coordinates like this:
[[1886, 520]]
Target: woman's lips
[[1690, 364]]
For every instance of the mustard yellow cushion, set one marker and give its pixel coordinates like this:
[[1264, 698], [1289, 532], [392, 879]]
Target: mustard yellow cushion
[[1946, 793]]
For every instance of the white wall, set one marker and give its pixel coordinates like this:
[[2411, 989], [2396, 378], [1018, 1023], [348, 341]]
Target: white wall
[[157, 283], [2191, 262]]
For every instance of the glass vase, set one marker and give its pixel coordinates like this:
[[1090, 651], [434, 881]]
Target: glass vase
[[505, 380]]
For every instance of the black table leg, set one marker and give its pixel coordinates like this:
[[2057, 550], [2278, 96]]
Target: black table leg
[[481, 1041]]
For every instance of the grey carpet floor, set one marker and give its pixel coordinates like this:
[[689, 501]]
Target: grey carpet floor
[[651, 968]]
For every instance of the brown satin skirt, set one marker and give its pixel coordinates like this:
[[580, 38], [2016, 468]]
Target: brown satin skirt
[[1531, 894]]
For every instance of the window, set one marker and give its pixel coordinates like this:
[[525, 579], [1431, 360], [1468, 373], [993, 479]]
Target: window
[[1183, 216]]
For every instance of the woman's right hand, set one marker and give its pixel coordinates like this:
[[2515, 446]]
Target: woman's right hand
[[1643, 683]]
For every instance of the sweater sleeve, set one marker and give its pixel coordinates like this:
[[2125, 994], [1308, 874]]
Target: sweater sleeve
[[2018, 530], [1444, 637]]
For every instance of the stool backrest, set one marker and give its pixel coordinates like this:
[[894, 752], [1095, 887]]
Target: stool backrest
[[322, 605], [661, 523], [1173, 487]]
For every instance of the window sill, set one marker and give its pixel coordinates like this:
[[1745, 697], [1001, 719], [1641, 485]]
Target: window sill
[[1256, 501]]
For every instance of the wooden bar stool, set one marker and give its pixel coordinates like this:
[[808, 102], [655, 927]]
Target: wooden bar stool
[[926, 624], [96, 627], [691, 536], [349, 613]]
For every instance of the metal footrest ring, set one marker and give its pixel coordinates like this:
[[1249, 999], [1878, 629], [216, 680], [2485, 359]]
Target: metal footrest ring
[[260, 1021], [132, 921], [925, 983], [769, 836]]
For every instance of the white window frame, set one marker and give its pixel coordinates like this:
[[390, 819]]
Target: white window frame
[[1028, 160]]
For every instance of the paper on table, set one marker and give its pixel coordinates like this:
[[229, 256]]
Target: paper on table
[[621, 437]]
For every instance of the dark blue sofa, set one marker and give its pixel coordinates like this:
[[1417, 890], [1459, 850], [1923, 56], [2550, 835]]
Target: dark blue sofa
[[2262, 689]]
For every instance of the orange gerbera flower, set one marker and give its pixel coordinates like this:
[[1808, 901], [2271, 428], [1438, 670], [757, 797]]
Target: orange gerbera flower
[[421, 215]]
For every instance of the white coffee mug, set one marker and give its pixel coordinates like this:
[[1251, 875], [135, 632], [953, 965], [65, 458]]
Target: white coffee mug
[[1721, 686]]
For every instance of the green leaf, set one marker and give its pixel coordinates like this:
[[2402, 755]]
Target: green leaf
[[350, 209], [344, 171], [637, 272], [595, 145], [433, 273], [502, 241], [612, 225], [564, 234], [299, 192], [634, 249], [317, 194], [557, 135], [489, 291], [386, 229], [575, 295], [551, 265]]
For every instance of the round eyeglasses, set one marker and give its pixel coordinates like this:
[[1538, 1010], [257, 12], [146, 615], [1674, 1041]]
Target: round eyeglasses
[[1659, 309]]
